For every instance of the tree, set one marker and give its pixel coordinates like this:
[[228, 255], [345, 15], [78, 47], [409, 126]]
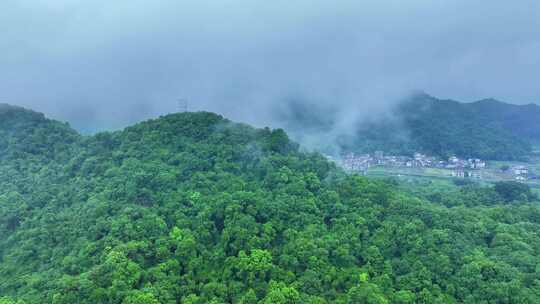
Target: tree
[[139, 297], [280, 293], [514, 191]]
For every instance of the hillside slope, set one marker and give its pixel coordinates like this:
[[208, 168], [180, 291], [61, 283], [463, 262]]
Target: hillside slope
[[485, 129], [521, 120], [445, 128], [193, 208], [27, 134]]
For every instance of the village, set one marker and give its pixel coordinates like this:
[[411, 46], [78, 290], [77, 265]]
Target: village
[[454, 166]]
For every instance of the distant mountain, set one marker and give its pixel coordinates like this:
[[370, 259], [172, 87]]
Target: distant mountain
[[446, 127], [520, 120], [486, 129]]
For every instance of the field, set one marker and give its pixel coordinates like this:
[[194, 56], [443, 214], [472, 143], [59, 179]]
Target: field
[[491, 174]]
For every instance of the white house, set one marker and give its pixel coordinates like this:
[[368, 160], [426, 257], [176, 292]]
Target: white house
[[520, 170], [521, 178]]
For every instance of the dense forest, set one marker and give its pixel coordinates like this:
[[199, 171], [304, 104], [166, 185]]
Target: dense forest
[[193, 208], [486, 129]]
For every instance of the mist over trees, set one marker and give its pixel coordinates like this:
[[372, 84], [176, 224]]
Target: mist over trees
[[486, 129], [192, 208], [236, 199]]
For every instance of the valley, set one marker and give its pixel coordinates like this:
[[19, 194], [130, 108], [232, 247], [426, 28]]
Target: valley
[[422, 166]]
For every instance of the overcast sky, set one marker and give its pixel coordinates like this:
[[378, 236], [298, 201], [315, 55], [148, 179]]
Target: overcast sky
[[103, 64]]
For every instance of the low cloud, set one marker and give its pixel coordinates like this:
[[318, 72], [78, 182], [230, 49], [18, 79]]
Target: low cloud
[[105, 64]]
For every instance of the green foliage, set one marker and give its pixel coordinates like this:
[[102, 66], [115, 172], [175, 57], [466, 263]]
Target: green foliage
[[27, 135], [191, 208], [280, 293], [4, 300], [421, 123], [444, 128], [138, 297], [514, 191]]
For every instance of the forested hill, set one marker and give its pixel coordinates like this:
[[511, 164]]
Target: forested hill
[[193, 208], [486, 129], [520, 120], [27, 134]]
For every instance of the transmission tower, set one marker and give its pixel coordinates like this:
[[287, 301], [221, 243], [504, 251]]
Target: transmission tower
[[182, 105]]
